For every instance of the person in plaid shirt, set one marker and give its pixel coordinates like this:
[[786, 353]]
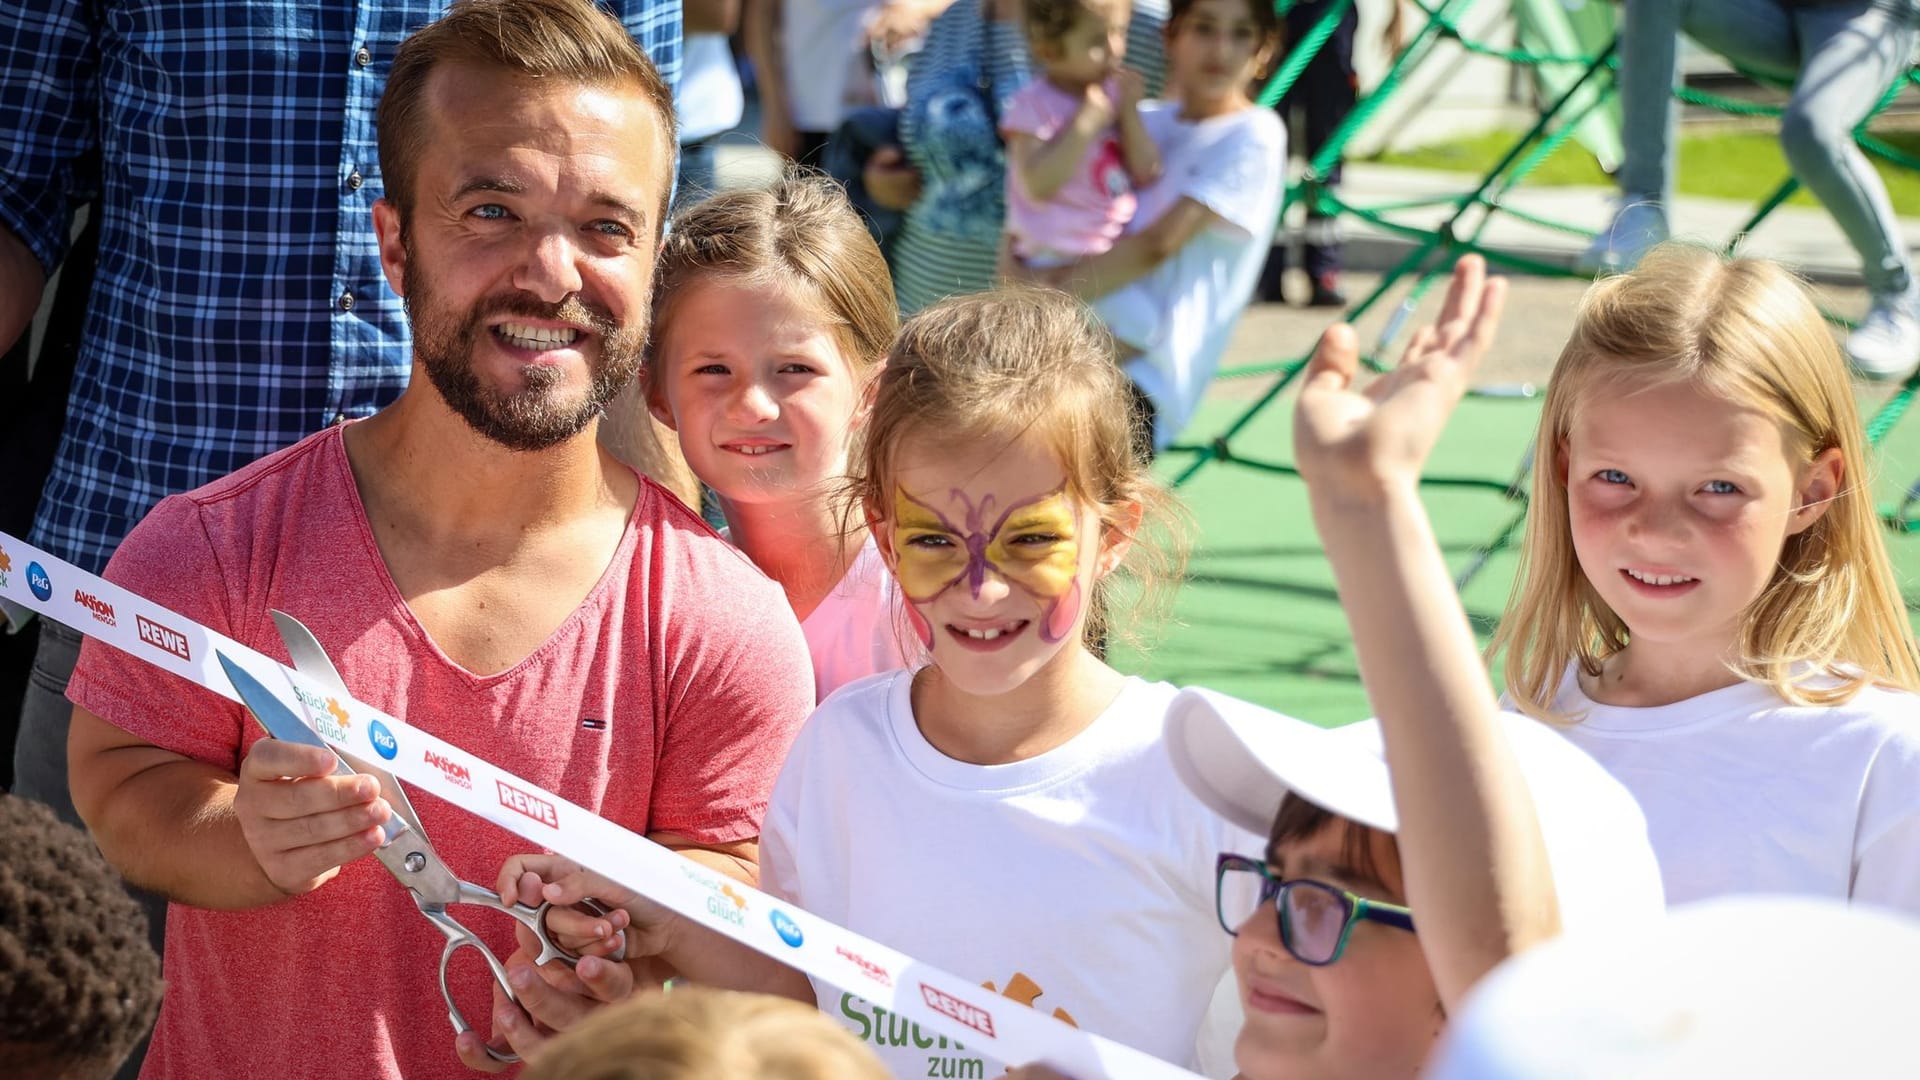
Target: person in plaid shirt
[[239, 304]]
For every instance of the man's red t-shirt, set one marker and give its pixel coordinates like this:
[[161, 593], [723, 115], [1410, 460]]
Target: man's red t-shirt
[[666, 702]]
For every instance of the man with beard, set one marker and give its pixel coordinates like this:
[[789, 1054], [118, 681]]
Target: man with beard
[[472, 561]]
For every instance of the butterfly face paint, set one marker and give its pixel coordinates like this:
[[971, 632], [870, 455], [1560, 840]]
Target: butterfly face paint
[[1032, 544]]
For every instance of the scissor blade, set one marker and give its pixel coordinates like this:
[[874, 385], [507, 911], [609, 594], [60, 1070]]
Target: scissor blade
[[281, 722], [309, 658]]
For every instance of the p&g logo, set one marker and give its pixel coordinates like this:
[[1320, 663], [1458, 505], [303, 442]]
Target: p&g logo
[[788, 930], [383, 741], [38, 581]]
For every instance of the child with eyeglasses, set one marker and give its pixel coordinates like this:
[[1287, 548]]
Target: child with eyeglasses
[[1384, 894]]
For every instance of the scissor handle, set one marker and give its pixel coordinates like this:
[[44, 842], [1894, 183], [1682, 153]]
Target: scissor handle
[[535, 919], [459, 937]]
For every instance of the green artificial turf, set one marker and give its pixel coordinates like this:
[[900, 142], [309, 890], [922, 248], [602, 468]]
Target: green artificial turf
[[1257, 616], [1737, 164]]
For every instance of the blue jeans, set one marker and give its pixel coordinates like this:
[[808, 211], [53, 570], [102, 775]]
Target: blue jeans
[[1840, 58]]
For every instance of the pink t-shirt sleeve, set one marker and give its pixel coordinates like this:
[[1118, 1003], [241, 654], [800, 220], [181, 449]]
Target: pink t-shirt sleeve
[[740, 685], [169, 559]]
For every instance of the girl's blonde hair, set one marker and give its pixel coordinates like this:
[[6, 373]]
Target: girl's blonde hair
[[993, 367], [697, 1034], [802, 235], [1747, 331]]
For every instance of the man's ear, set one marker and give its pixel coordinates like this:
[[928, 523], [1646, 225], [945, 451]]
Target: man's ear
[[1119, 525], [1819, 483], [390, 232]]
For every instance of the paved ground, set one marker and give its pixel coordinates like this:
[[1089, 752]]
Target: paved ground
[[1538, 318]]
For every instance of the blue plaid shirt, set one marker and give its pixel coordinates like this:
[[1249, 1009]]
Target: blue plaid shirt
[[239, 303]]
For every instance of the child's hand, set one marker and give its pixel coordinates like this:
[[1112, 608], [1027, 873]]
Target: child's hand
[[1357, 444], [553, 997], [1132, 87], [1096, 107], [536, 879]]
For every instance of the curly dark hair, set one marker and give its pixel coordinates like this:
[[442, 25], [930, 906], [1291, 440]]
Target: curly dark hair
[[1047, 21], [79, 982]]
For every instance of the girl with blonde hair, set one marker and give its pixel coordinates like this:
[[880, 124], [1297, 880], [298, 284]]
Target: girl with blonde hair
[[1007, 812], [772, 311], [1704, 599], [695, 1033]]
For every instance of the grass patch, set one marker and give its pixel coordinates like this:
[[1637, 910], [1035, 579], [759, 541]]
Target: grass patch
[[1741, 165]]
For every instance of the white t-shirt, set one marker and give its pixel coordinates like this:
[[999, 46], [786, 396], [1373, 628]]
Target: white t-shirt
[[821, 46], [858, 630], [1745, 793], [1079, 882], [1181, 315], [709, 100]]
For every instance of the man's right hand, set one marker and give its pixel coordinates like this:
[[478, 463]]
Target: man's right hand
[[1097, 107], [302, 822]]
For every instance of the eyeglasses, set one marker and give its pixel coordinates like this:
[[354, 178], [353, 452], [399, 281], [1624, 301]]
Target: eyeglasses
[[1316, 919]]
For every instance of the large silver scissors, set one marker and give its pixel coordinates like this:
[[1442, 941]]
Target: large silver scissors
[[406, 854]]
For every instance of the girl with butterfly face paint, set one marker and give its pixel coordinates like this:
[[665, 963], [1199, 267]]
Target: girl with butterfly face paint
[[1008, 810]]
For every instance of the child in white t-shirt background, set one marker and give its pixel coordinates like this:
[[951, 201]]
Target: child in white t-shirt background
[[1704, 600], [1076, 149], [1172, 288], [771, 310]]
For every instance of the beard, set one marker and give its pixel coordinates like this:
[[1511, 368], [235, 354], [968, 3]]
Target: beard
[[538, 415]]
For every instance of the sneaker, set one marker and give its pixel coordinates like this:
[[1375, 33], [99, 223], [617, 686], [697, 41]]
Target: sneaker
[[1637, 227], [1886, 345], [1326, 292]]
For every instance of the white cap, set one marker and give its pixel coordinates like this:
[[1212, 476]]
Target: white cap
[[1747, 986], [1241, 760]]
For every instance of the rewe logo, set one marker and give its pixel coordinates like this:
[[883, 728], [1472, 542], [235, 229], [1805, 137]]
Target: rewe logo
[[101, 610], [966, 1012], [165, 639], [454, 772], [539, 810]]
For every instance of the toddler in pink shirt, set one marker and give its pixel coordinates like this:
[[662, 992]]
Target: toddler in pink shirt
[[1076, 149]]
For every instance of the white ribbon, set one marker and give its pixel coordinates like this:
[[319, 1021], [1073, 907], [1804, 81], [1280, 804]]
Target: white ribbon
[[938, 1000]]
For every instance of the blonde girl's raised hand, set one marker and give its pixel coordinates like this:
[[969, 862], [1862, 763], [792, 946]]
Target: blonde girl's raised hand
[[1354, 444]]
